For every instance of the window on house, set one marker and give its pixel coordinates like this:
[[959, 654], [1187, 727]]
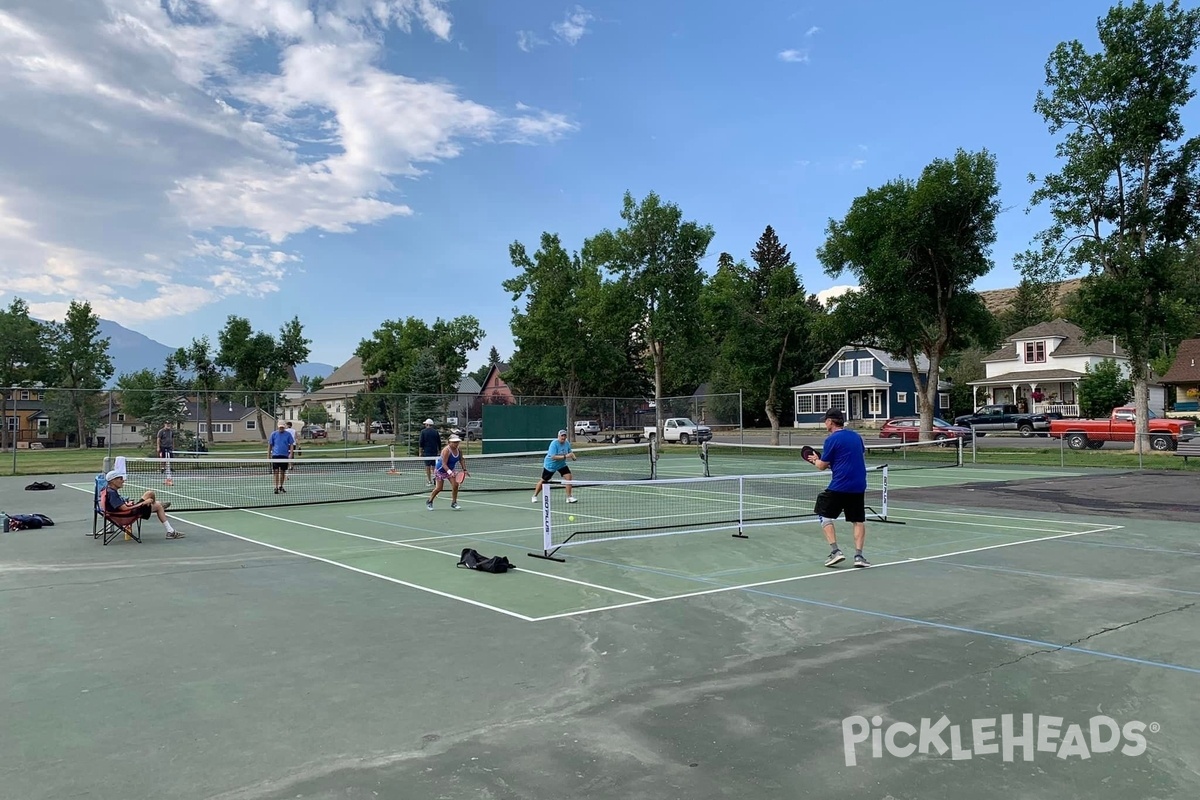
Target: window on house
[[41, 395], [12, 423], [43, 427], [804, 404], [866, 366], [837, 401], [133, 428], [875, 405], [1035, 352], [846, 367], [943, 400], [120, 417], [251, 424], [901, 397], [24, 395]]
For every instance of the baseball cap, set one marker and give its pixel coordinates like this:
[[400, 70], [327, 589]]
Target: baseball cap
[[114, 474], [835, 415], [428, 422], [281, 424], [562, 433]]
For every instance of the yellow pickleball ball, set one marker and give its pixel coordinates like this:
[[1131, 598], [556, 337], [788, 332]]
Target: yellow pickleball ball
[[570, 519]]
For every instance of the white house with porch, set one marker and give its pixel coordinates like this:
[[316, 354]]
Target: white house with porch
[[1039, 368]]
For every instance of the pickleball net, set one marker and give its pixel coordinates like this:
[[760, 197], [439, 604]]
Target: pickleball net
[[731, 458], [605, 511], [234, 483]]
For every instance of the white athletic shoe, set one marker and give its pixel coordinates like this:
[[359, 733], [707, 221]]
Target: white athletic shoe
[[572, 499], [533, 499]]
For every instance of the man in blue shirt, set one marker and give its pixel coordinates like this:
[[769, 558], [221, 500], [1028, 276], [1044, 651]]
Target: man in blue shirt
[[845, 453], [556, 459], [430, 444], [279, 450]]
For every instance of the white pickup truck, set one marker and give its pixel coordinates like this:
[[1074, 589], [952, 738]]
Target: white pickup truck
[[682, 430]]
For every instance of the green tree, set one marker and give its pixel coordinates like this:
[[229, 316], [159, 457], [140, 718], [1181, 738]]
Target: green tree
[[916, 248], [314, 414], [961, 367], [258, 362], [1125, 203], [137, 392], [558, 332], [82, 366], [765, 319], [658, 254], [168, 400], [24, 356], [207, 376], [311, 385], [1103, 388]]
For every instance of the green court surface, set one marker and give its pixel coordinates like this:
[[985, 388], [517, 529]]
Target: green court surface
[[337, 651]]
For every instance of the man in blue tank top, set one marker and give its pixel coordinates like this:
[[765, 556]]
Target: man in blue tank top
[[845, 453]]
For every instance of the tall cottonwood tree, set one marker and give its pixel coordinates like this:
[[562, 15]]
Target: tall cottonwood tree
[[658, 255], [1127, 199], [258, 362], [207, 376], [916, 247], [81, 366], [559, 332]]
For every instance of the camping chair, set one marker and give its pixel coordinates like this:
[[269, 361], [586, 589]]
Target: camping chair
[[103, 526]]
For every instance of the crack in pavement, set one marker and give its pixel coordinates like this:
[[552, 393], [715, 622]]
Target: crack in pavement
[[1085, 638]]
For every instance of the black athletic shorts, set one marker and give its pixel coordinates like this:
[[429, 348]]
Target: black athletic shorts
[[279, 463], [564, 470], [831, 504]]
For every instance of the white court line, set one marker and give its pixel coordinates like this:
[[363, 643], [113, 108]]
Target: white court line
[[388, 578], [442, 552], [740, 587]]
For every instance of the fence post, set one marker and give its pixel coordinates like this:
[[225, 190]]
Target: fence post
[[741, 421]]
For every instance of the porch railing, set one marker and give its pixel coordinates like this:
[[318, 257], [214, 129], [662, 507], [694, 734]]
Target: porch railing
[[1066, 409]]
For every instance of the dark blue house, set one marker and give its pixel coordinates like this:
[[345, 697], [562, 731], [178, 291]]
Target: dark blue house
[[866, 384]]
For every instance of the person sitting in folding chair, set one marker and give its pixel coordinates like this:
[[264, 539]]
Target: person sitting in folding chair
[[125, 513]]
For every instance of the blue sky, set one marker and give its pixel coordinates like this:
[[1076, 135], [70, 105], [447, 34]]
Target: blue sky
[[214, 157]]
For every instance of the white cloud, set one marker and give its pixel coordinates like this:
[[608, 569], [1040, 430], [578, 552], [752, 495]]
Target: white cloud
[[833, 292], [528, 40], [574, 25], [858, 163], [794, 56], [813, 31], [158, 155]]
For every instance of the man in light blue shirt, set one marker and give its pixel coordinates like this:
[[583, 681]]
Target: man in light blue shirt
[[279, 450], [556, 459]]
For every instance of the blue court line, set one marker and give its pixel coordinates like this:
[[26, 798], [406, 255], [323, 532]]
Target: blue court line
[[1141, 587], [976, 632]]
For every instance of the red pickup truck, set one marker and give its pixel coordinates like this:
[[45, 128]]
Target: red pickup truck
[[1165, 434]]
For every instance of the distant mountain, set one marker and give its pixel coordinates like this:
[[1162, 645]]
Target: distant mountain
[[131, 351]]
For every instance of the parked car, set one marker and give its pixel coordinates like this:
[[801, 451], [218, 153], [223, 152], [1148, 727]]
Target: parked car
[[474, 429], [313, 432], [998, 418], [587, 427], [908, 429], [1091, 434]]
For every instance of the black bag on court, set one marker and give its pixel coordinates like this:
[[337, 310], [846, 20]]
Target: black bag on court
[[472, 559], [39, 486], [26, 522]]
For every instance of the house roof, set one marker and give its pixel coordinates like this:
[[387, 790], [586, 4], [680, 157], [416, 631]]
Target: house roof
[[468, 385], [1073, 342], [1186, 368], [350, 372], [842, 384], [1027, 376], [888, 361]]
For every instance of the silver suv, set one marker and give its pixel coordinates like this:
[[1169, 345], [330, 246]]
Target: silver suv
[[587, 427]]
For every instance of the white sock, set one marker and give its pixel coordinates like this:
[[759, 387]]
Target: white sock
[[167, 525]]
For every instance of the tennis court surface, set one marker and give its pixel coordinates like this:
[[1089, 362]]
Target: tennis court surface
[[336, 650]]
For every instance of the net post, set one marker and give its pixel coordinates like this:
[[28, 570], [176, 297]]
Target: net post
[[741, 534], [548, 548]]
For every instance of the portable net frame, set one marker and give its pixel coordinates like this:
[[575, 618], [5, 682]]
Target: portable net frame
[[611, 510], [727, 459], [204, 484]]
